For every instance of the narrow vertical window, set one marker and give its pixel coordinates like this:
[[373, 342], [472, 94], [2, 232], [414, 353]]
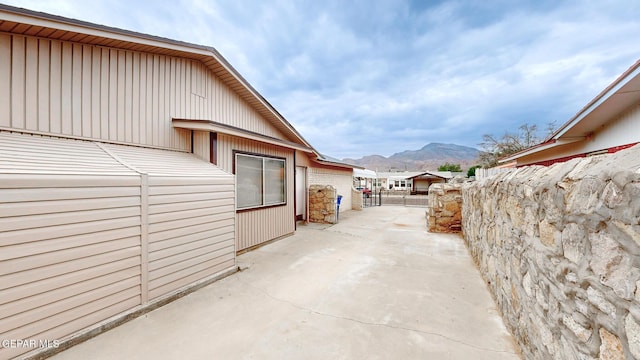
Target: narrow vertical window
[[213, 148]]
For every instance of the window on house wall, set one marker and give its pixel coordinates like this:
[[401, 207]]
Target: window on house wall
[[260, 181], [213, 148]]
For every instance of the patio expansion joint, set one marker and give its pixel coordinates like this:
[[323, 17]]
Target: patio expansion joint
[[347, 234], [368, 323]]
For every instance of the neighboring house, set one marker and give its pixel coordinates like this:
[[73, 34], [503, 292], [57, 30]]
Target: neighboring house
[[609, 123], [400, 181], [364, 178], [421, 182], [132, 168]]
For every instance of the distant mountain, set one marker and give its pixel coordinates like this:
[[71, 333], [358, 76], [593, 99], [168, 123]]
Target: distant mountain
[[428, 158]]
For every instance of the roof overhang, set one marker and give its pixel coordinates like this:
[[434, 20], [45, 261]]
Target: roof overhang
[[616, 98], [619, 96], [364, 173], [21, 21], [428, 175], [212, 126], [319, 159], [540, 147]]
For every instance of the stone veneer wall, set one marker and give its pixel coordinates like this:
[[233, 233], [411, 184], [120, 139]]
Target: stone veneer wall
[[356, 199], [322, 204], [445, 207], [559, 248]]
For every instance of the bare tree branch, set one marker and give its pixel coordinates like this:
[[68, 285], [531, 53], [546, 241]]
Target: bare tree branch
[[493, 148]]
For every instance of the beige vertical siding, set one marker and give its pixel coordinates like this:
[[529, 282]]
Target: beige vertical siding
[[302, 159], [201, 144], [5, 79], [91, 230], [258, 226], [100, 93]]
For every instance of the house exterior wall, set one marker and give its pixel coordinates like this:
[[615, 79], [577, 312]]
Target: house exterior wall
[[383, 183], [70, 243], [341, 179], [91, 231], [190, 217], [95, 92], [202, 145], [121, 96], [621, 131], [257, 226], [399, 183], [302, 159], [191, 231], [388, 180]]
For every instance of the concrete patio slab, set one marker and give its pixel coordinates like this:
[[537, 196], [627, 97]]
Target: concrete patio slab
[[376, 286]]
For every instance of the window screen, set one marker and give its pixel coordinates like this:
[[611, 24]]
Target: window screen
[[260, 181]]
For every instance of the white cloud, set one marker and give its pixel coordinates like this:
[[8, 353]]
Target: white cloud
[[363, 77]]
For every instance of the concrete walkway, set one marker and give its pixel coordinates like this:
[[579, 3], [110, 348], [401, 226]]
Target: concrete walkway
[[375, 286]]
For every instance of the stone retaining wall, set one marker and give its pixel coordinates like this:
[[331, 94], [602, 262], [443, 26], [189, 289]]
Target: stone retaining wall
[[322, 204], [559, 248]]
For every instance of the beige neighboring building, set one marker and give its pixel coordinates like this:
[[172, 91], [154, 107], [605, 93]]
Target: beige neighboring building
[[330, 171], [397, 181], [421, 182], [132, 168], [608, 123]]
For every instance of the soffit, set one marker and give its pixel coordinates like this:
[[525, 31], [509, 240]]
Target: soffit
[[626, 97], [619, 96], [615, 99], [212, 126], [30, 23]]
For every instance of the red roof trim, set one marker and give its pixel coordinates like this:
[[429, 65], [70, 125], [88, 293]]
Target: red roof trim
[[610, 150]]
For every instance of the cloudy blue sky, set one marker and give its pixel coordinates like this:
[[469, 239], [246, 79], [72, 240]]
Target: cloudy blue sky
[[381, 76]]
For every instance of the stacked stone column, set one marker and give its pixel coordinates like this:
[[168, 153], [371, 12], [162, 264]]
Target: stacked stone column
[[445, 208], [322, 204]]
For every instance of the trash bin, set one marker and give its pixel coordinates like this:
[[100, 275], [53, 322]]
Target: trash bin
[[338, 207]]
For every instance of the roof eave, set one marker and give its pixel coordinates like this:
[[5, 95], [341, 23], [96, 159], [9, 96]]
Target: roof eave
[[599, 100], [540, 147], [212, 126], [430, 174], [320, 160], [35, 18]]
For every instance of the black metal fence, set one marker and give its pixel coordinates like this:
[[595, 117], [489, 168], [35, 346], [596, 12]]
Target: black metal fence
[[381, 197], [371, 199]]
